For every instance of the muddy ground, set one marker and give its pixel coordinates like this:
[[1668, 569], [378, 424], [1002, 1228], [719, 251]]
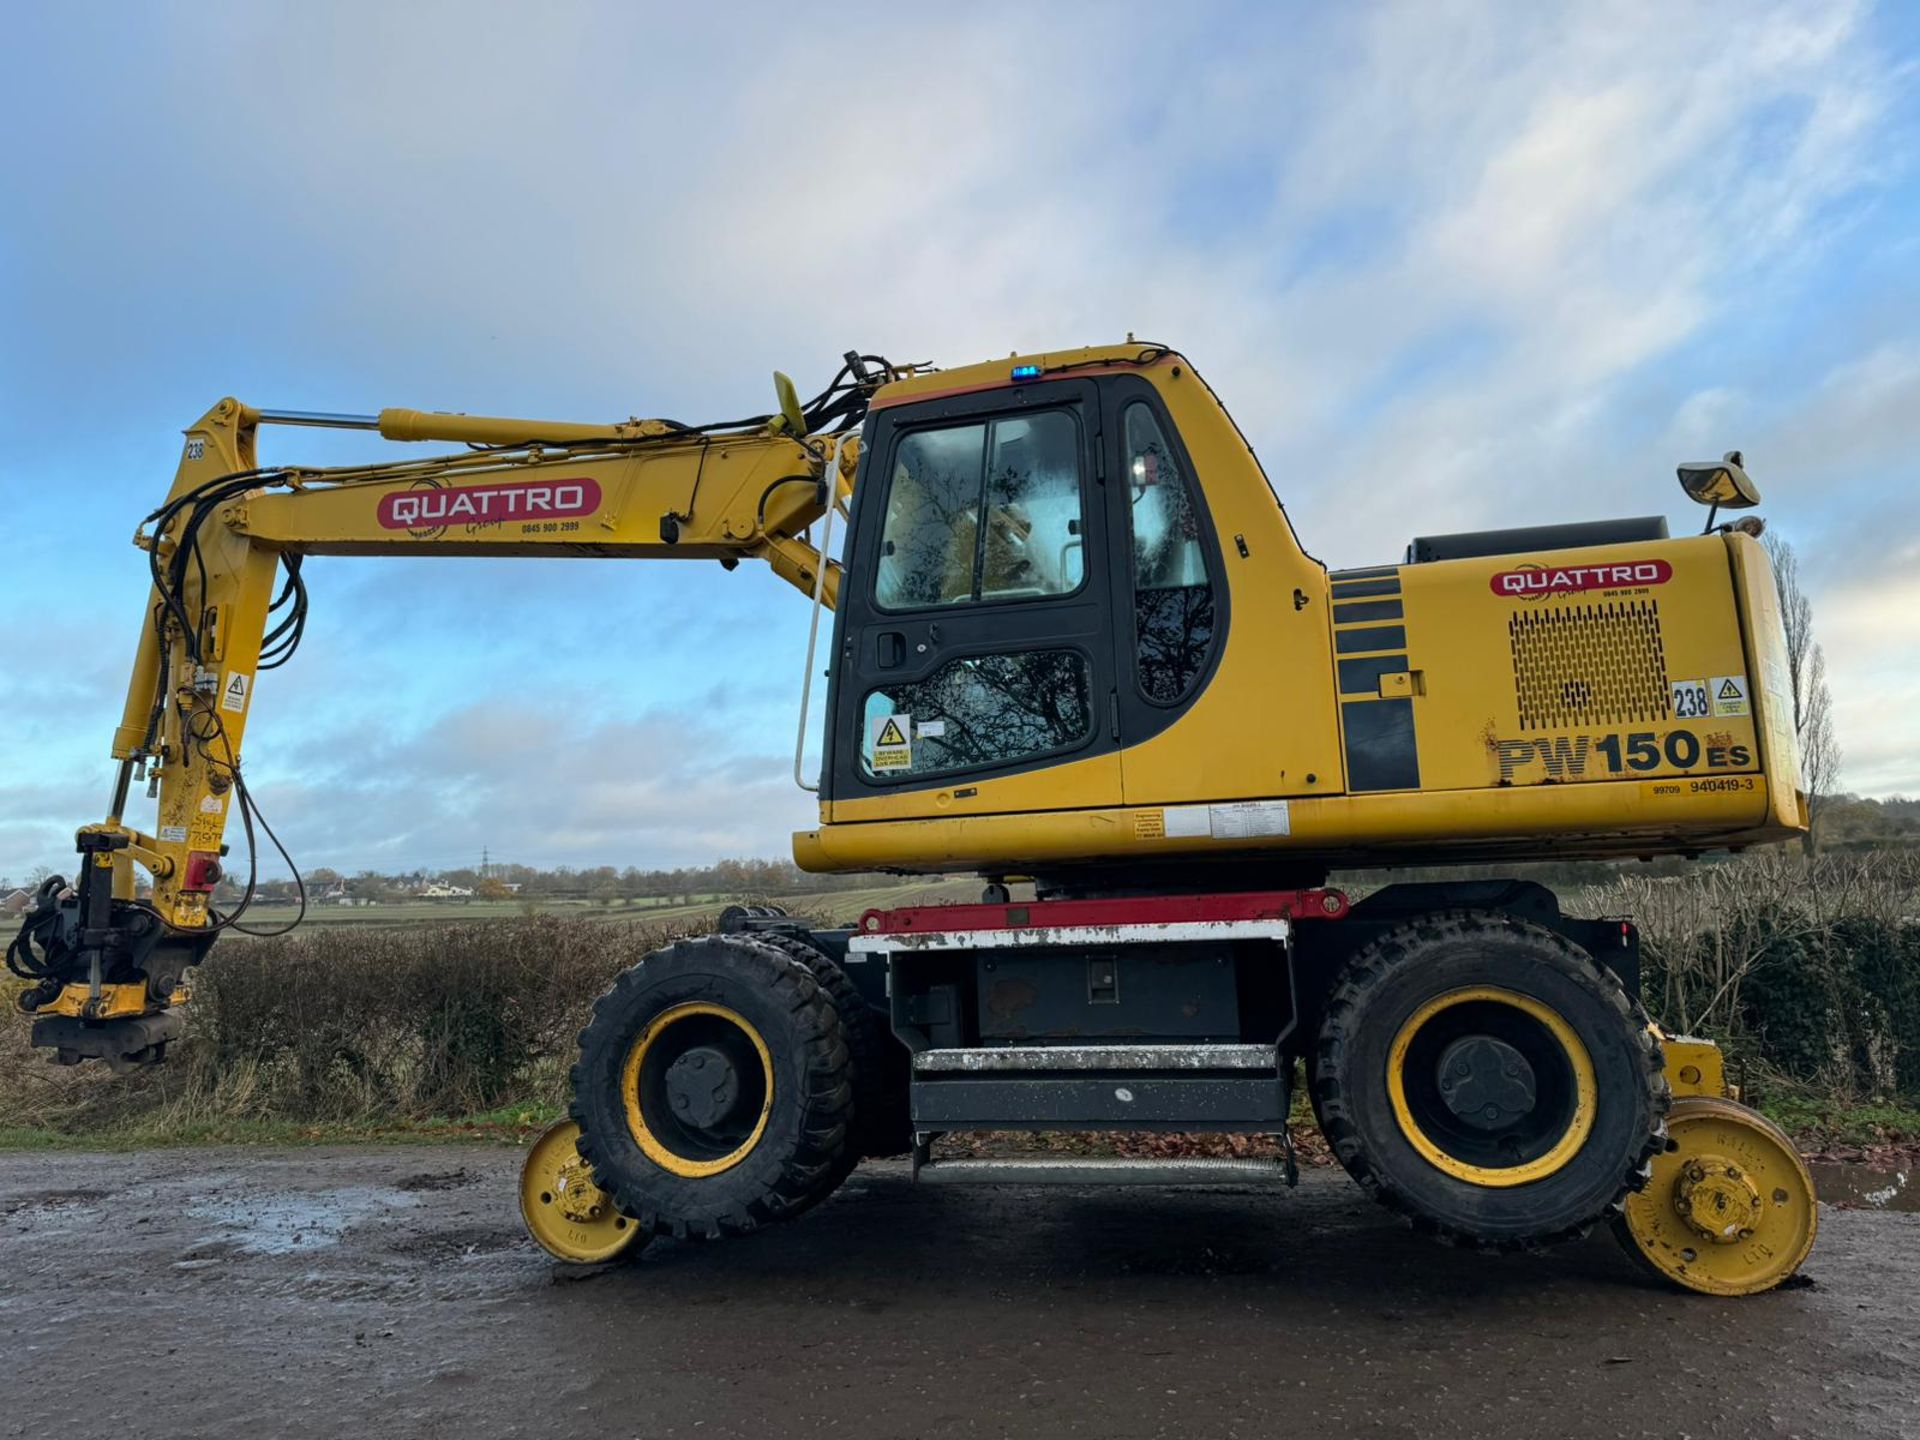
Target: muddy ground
[[388, 1291]]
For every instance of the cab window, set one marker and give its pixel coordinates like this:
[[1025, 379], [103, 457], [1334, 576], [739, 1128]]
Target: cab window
[[986, 511], [976, 713], [1173, 599]]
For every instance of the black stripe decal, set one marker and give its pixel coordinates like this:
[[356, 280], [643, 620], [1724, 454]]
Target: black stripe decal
[[1362, 677], [1354, 589], [1375, 572], [1375, 637], [1357, 610], [1380, 745]]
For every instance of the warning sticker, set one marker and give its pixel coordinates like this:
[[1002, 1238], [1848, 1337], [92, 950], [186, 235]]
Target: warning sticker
[[1148, 825], [234, 695], [1729, 695], [889, 738], [173, 834]]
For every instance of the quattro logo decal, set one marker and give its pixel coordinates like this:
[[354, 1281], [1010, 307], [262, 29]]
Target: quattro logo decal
[[1535, 582], [431, 509]]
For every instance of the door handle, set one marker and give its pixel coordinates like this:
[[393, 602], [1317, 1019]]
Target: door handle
[[890, 649]]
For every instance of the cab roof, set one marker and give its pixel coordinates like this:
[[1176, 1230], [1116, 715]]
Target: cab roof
[[1022, 368]]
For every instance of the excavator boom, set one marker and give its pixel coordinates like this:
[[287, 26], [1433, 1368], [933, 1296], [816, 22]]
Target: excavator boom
[[228, 602]]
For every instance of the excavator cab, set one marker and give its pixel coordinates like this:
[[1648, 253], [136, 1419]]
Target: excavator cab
[[1042, 578]]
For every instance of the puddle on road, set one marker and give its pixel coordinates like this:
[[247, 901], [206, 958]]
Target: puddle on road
[[1866, 1188], [274, 1224]]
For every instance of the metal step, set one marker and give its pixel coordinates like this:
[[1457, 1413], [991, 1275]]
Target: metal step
[[1100, 1057], [1067, 1170]]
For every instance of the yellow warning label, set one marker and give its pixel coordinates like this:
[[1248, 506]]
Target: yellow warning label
[[1729, 695], [1149, 824], [890, 741]]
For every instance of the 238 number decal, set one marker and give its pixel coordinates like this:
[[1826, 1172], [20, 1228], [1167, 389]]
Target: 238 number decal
[[1691, 700]]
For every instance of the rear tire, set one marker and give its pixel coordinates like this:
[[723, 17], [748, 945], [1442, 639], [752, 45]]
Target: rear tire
[[712, 1090], [1490, 1079], [880, 1063]]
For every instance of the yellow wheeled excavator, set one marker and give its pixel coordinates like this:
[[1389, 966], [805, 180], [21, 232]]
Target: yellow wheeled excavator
[[1075, 644]]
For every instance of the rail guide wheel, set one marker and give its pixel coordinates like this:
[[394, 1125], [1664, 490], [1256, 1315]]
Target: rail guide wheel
[[566, 1213], [1730, 1209]]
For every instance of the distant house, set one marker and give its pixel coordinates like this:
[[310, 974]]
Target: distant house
[[440, 890], [338, 894], [16, 901]]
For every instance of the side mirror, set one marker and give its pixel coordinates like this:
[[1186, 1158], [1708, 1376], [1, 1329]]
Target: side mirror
[[1720, 483]]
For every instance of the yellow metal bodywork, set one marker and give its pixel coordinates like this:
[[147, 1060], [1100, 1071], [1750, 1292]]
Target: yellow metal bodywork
[[115, 1000], [1693, 1066], [655, 494], [1625, 819], [1268, 726], [1579, 1123]]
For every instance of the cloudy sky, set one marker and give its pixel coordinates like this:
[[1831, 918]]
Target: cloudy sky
[[1451, 266]]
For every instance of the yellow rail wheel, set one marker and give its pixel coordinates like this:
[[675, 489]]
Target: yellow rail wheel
[[1487, 1077], [713, 1089], [1731, 1208], [566, 1213]]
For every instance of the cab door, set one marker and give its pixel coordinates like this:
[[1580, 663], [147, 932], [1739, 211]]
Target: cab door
[[974, 658]]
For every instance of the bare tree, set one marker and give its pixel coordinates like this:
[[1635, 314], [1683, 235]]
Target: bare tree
[[1812, 700]]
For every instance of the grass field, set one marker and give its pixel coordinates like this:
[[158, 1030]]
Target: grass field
[[826, 907]]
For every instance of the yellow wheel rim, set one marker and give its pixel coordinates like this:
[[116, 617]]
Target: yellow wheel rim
[[680, 1034], [1731, 1207], [569, 1216], [1556, 1038]]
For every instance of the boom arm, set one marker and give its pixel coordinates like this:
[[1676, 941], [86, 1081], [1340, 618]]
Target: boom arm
[[108, 966]]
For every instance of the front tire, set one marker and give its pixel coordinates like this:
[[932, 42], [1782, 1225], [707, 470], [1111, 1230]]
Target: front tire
[[1490, 1079], [711, 1090]]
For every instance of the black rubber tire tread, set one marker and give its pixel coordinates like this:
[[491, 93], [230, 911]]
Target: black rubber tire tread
[[1501, 1224], [796, 1162], [882, 1126]]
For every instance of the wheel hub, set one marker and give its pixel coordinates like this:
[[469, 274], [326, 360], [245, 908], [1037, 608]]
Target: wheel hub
[[703, 1086], [1486, 1082], [1717, 1199], [574, 1193]]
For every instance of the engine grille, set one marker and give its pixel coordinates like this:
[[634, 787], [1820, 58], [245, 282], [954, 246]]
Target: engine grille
[[1589, 665]]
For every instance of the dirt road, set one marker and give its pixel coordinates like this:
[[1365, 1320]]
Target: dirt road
[[388, 1292]]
